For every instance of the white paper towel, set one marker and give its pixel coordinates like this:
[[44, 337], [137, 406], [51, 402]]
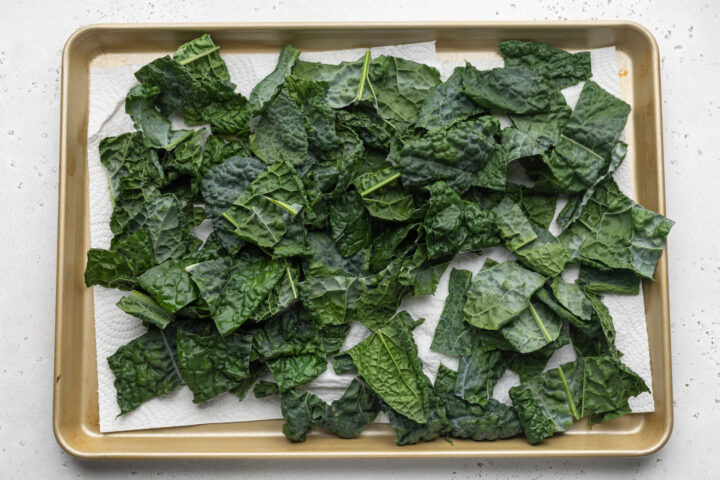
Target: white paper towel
[[108, 87]]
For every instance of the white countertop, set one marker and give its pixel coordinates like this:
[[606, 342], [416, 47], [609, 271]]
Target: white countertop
[[32, 35]]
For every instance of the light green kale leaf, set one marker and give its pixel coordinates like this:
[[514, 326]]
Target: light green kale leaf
[[499, 294], [388, 362]]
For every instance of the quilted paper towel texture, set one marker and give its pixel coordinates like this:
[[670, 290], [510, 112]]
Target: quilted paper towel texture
[[108, 87]]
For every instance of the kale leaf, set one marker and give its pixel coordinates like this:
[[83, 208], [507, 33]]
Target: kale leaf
[[499, 294], [145, 368], [388, 362]]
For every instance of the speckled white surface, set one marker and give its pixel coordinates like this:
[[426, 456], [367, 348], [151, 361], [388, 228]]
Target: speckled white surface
[[31, 38]]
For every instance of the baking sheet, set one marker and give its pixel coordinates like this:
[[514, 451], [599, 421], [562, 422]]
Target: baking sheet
[[76, 410]]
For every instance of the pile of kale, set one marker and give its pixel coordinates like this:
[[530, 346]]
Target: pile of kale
[[336, 190]]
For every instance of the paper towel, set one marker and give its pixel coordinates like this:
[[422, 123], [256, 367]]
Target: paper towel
[[108, 87]]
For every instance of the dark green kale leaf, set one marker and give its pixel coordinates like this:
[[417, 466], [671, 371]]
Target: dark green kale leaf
[[546, 254], [564, 68], [280, 134], [478, 373], [633, 385], [530, 365], [348, 161], [387, 245], [409, 432], [383, 197], [331, 300], [585, 148], [549, 299], [284, 294], [350, 224], [613, 232], [163, 216], [403, 318], [499, 294], [346, 417], [451, 154], [211, 364], [292, 348], [534, 246], [490, 340], [319, 117], [301, 410], [156, 129], [187, 157], [264, 389], [597, 338], [201, 59], [514, 227], [400, 87], [266, 90], [367, 124], [520, 144], [453, 225], [145, 368], [120, 267], [108, 269], [539, 208], [333, 338], [233, 288], [447, 104], [170, 285], [511, 89], [547, 404], [343, 364], [263, 211], [421, 273], [221, 186], [287, 334], [229, 117], [219, 149], [145, 308], [452, 334], [377, 305], [493, 174], [175, 83], [544, 128], [573, 299], [291, 372], [388, 361], [599, 281], [193, 78], [327, 261], [577, 203], [591, 326], [130, 164], [607, 385], [467, 420], [347, 81]]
